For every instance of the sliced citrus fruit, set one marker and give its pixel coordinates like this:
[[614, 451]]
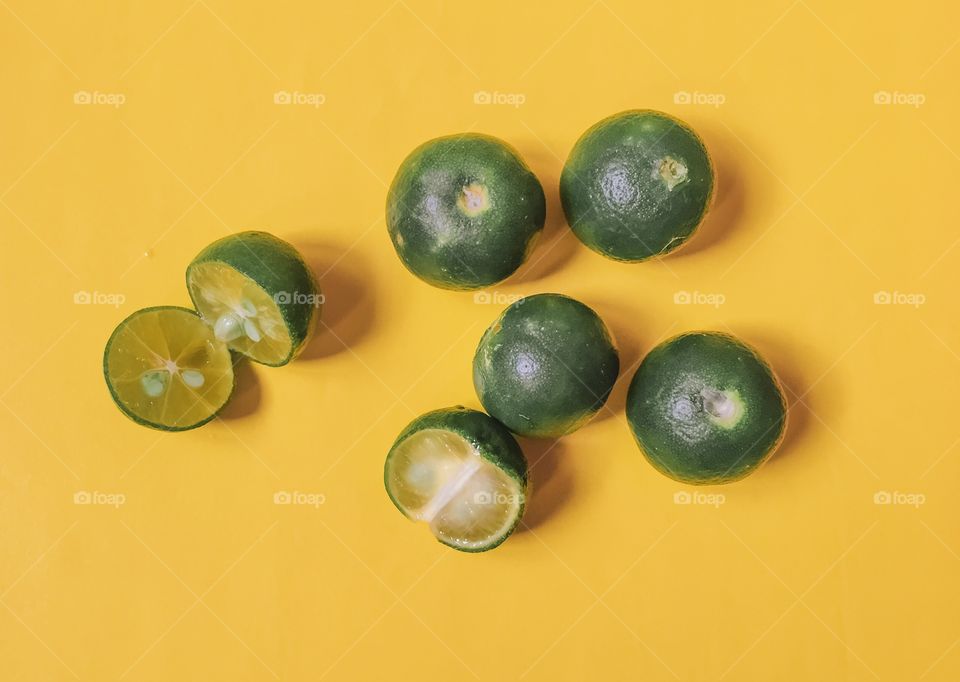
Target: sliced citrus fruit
[[258, 294], [463, 474], [166, 369]]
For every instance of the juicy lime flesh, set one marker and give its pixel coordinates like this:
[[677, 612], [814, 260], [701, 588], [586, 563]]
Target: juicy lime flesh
[[438, 477], [240, 312], [165, 368]]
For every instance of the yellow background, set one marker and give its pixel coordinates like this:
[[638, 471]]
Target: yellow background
[[826, 198]]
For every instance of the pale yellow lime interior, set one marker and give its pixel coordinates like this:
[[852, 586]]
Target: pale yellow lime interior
[[166, 367], [240, 312], [438, 477]]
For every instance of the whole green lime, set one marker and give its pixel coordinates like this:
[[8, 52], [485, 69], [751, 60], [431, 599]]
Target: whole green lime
[[545, 366], [464, 211], [637, 185], [460, 472], [705, 408]]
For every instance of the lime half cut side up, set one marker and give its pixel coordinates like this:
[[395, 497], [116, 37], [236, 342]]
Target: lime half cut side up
[[166, 369], [258, 295], [462, 474]]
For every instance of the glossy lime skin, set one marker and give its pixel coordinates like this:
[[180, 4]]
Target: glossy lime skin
[[280, 270], [665, 408], [493, 442], [441, 243], [614, 196], [545, 366]]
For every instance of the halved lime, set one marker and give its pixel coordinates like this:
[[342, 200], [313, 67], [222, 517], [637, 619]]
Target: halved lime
[[462, 473], [166, 369], [258, 294]]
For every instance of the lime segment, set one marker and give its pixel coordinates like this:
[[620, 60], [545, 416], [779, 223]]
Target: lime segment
[[258, 294], [439, 478], [242, 314], [165, 369], [462, 474]]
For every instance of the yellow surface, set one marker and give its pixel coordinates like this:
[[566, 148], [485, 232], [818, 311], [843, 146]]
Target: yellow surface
[[183, 567]]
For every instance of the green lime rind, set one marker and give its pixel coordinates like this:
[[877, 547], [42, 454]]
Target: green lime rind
[[278, 268], [545, 366], [667, 415], [492, 441], [436, 239], [618, 197], [116, 398]]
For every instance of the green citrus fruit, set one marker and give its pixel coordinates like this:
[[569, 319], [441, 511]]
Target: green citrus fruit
[[705, 408], [461, 473], [166, 369], [258, 294], [464, 211], [545, 366], [637, 185]]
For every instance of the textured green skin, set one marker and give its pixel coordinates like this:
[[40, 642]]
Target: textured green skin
[[569, 358], [116, 398], [610, 199], [447, 248], [275, 266], [494, 443], [690, 448]]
